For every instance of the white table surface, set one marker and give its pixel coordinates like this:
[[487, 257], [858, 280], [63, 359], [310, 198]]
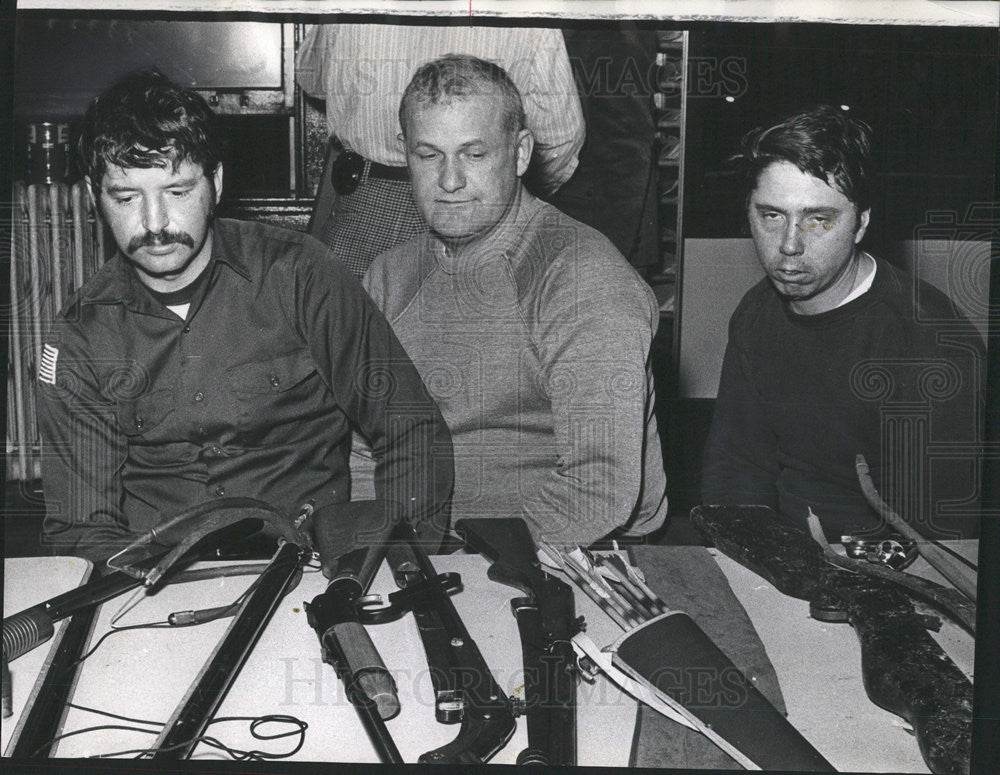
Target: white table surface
[[26, 582], [819, 668], [146, 673]]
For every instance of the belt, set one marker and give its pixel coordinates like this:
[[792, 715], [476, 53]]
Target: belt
[[385, 172], [350, 169]]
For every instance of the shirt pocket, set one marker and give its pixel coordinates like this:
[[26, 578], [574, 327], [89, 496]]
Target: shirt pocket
[[276, 397], [145, 423], [141, 419]]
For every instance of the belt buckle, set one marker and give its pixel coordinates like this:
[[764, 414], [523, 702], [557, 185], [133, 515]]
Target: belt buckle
[[346, 172]]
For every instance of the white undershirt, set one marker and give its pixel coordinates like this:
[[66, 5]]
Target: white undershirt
[[180, 310], [865, 284]]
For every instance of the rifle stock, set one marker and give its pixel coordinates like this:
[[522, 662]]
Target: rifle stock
[[904, 670]]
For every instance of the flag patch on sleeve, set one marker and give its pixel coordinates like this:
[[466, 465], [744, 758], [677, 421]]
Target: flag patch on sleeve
[[47, 368]]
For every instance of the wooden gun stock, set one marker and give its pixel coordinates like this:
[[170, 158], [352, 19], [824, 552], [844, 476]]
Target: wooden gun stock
[[904, 670]]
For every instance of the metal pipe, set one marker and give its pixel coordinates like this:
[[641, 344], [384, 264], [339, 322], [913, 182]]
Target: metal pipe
[[80, 221], [57, 211], [16, 342]]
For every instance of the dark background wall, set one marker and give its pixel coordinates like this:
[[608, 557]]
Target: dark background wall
[[928, 93], [243, 68]]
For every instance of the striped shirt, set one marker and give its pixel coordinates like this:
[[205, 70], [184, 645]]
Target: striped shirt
[[361, 70]]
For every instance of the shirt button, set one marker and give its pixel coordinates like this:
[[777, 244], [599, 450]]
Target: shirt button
[[139, 422], [186, 330], [199, 396], [274, 380], [202, 430], [220, 490], [217, 451]]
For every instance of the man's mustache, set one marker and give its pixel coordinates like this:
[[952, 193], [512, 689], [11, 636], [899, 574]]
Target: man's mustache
[[158, 239]]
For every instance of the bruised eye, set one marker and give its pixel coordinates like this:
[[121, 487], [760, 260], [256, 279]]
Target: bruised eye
[[820, 221]]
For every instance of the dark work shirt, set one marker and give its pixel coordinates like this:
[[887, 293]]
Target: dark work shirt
[[895, 375], [254, 394]]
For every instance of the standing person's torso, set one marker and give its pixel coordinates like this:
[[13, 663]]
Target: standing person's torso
[[370, 65]]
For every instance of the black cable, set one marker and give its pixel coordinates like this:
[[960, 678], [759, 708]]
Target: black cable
[[109, 633], [215, 613], [114, 715], [256, 722], [237, 754], [98, 728]]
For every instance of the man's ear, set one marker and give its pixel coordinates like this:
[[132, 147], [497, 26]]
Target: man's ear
[[862, 225], [217, 181], [525, 145]]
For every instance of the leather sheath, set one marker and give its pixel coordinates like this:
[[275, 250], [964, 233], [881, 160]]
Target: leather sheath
[[688, 579], [672, 653]]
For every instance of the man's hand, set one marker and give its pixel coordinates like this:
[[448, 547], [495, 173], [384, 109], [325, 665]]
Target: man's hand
[[340, 528]]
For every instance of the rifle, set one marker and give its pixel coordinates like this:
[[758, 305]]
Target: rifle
[[546, 623], [465, 690], [336, 616], [904, 670]]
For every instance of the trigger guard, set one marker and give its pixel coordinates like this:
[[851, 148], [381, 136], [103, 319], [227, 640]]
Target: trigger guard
[[400, 601]]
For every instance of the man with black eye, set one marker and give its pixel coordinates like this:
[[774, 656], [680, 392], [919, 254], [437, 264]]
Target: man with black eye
[[530, 329], [837, 353], [212, 358]]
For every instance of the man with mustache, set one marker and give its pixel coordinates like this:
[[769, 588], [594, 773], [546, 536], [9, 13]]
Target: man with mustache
[[212, 358], [837, 353]]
